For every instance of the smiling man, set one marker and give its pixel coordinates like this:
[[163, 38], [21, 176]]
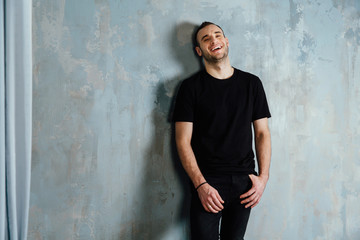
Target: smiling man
[[215, 111]]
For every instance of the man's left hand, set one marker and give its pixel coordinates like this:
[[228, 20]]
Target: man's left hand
[[252, 197]]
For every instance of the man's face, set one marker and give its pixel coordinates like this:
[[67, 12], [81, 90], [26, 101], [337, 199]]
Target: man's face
[[213, 45]]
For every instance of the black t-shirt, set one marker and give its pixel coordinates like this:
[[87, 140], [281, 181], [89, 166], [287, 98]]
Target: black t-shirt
[[222, 112]]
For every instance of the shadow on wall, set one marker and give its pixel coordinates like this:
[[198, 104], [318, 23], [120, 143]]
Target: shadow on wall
[[163, 196]]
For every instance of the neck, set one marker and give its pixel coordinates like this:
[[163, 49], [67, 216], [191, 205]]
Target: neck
[[220, 70]]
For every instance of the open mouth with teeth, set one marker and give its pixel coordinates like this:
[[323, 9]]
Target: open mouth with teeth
[[216, 48]]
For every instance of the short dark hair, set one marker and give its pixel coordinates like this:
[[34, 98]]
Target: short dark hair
[[204, 24]]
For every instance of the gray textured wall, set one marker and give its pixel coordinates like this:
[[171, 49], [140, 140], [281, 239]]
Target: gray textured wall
[[105, 74]]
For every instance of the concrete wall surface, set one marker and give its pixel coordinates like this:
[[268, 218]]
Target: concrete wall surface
[[105, 76]]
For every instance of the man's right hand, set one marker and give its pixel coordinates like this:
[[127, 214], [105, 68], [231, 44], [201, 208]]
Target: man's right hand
[[210, 198]]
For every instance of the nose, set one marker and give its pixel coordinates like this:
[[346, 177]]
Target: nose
[[212, 40]]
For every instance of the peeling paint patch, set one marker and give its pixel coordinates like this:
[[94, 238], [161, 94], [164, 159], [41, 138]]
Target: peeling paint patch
[[306, 46], [163, 6], [353, 35], [121, 72], [94, 76], [151, 77], [106, 37], [149, 33], [296, 14], [82, 93]]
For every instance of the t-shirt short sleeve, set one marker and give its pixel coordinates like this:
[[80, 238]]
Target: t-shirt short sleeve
[[184, 104], [260, 107]]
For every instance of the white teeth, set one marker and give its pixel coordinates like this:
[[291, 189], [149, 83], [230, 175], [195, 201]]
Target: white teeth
[[215, 48]]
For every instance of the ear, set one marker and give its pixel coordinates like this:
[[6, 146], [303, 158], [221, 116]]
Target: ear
[[198, 50], [227, 41]]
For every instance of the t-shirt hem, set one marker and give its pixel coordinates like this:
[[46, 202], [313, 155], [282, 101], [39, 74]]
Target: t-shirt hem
[[183, 120], [228, 172]]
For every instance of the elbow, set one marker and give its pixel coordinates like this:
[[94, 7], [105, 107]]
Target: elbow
[[264, 134], [182, 142]]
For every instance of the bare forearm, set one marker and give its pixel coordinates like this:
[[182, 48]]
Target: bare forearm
[[189, 163], [263, 153]]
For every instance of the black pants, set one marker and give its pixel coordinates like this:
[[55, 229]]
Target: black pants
[[231, 222]]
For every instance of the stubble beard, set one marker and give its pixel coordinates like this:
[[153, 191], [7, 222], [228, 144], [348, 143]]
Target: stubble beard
[[214, 59]]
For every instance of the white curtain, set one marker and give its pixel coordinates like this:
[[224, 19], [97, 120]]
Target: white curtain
[[15, 117]]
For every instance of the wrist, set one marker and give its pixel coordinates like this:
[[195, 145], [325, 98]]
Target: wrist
[[264, 177], [200, 185], [198, 180]]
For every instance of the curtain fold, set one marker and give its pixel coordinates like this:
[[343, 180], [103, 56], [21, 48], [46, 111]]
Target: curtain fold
[[15, 117]]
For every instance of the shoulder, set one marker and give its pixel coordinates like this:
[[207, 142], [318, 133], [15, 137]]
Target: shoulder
[[247, 75], [194, 78], [193, 82], [248, 78]]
